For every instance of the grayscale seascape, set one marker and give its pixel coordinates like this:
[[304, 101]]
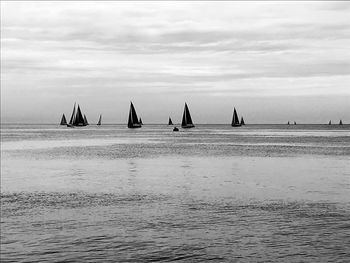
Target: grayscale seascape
[[258, 193]]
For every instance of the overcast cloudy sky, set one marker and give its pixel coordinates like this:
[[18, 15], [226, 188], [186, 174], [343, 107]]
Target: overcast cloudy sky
[[274, 61]]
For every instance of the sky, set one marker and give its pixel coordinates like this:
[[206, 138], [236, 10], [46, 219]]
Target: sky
[[273, 61]]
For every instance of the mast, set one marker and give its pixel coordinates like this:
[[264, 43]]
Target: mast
[[72, 118], [63, 120]]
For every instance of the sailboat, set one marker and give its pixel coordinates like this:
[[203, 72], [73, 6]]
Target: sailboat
[[295, 123], [329, 123], [63, 120], [170, 122], [77, 118], [288, 123], [133, 121], [85, 120], [140, 121], [99, 120], [186, 118], [70, 124], [242, 121], [235, 120], [341, 122]]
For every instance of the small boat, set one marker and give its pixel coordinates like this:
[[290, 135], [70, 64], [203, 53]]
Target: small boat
[[186, 119], [242, 121], [341, 122], [170, 121], [295, 123], [329, 123], [175, 129], [99, 120], [140, 121], [288, 123], [133, 121], [85, 120], [77, 118], [63, 120], [235, 120]]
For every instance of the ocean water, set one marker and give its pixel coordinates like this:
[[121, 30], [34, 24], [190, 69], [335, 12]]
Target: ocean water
[[258, 193]]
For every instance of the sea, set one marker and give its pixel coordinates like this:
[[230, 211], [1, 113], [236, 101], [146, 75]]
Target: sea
[[214, 193]]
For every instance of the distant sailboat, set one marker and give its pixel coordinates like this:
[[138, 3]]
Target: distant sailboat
[[329, 123], [186, 118], [140, 121], [235, 120], [85, 120], [63, 120], [295, 123], [288, 123], [77, 118], [170, 122], [340, 123], [70, 124], [133, 121], [99, 120], [242, 121]]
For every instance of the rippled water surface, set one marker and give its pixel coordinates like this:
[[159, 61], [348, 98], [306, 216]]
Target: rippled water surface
[[259, 193]]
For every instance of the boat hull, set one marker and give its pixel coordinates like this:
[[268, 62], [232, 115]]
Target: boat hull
[[187, 126], [134, 126], [236, 125]]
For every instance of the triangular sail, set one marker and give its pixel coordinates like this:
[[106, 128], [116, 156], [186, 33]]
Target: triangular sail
[[140, 121], [188, 115], [235, 120], [99, 120], [170, 121], [133, 121], [85, 120], [72, 118], [341, 122], [242, 121], [79, 119], [63, 120], [186, 118]]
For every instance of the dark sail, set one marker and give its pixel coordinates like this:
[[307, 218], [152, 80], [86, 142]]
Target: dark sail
[[73, 116], [170, 122], [341, 122], [242, 121], [235, 120], [63, 120], [85, 120], [133, 121], [186, 118], [288, 123], [79, 119], [140, 121], [99, 120], [329, 123]]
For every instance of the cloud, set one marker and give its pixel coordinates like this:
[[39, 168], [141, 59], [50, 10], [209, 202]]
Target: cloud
[[199, 48]]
